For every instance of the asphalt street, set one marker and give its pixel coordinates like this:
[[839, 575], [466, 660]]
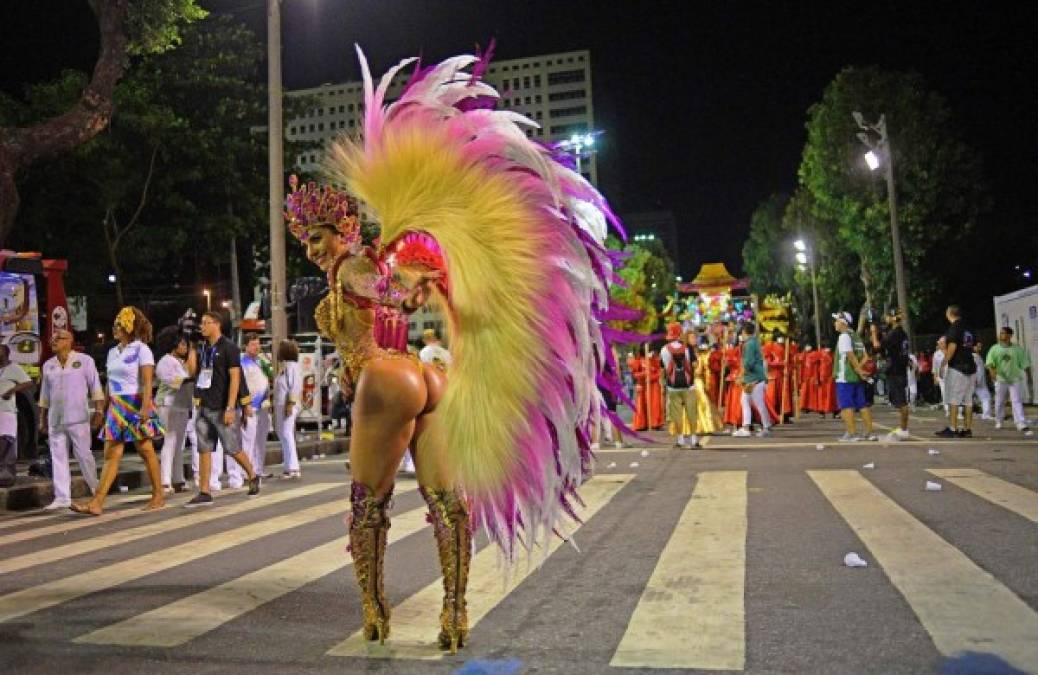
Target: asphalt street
[[729, 557]]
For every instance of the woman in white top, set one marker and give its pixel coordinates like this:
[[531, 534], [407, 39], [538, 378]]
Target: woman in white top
[[131, 412], [288, 390], [174, 404]]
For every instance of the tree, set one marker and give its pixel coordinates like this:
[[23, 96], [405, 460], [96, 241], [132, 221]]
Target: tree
[[126, 28], [648, 273], [766, 256], [938, 177]]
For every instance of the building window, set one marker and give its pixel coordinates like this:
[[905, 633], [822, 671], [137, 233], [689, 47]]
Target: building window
[[320, 127], [350, 107], [493, 70], [515, 82], [292, 130], [540, 114], [567, 95], [529, 100], [351, 123], [320, 112], [580, 58], [568, 112], [526, 66], [565, 129], [526, 82], [537, 99], [548, 62], [566, 76], [311, 128], [428, 324], [313, 159], [536, 80], [536, 64], [505, 86], [342, 109]]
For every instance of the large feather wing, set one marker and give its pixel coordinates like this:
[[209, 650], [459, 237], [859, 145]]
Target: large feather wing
[[522, 238]]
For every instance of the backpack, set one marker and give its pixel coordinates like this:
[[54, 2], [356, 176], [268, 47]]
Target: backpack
[[678, 376]]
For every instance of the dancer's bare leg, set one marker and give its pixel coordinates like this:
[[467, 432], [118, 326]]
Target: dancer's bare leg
[[146, 449], [95, 505]]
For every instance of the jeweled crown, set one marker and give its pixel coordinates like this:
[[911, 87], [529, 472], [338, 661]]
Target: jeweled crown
[[309, 206]]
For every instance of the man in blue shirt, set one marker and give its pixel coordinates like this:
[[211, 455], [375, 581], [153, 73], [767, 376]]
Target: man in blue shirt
[[754, 382]]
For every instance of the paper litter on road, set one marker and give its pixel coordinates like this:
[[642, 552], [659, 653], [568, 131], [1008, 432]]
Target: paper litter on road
[[634, 465], [611, 465], [870, 465], [852, 559], [645, 453], [932, 486], [819, 447], [933, 451]]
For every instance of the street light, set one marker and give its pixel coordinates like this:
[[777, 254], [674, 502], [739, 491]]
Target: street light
[[208, 299], [880, 153], [578, 143], [276, 175], [806, 262]]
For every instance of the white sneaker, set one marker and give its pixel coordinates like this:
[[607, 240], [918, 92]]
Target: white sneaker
[[764, 433], [893, 437], [902, 434], [618, 444], [1027, 432], [693, 442], [741, 433], [847, 438], [58, 504], [998, 424], [868, 437]]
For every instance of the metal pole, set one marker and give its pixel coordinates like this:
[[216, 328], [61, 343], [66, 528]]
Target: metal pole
[[275, 141], [818, 311], [895, 235]]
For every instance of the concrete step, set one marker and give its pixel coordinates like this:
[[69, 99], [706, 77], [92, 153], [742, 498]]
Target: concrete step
[[32, 492]]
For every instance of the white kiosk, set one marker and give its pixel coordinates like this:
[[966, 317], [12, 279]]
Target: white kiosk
[[1019, 311]]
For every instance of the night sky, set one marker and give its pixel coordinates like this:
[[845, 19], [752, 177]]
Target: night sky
[[702, 105]]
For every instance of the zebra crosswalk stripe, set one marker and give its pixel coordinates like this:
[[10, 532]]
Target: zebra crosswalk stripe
[[1017, 499], [184, 620], [691, 613], [163, 526], [415, 622], [35, 598], [961, 606]]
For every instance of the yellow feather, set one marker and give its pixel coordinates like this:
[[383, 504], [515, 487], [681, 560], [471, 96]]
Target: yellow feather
[[414, 179]]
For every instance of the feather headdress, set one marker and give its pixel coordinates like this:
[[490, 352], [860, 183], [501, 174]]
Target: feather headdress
[[522, 240]]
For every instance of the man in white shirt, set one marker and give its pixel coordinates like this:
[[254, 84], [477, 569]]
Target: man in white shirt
[[255, 369], [12, 380], [980, 383], [938, 363], [69, 387]]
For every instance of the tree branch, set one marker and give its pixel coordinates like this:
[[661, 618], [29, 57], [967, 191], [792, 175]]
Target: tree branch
[[144, 199]]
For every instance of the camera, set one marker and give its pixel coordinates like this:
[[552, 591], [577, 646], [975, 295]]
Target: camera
[[188, 326]]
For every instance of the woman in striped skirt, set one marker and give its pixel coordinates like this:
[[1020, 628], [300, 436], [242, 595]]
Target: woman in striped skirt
[[131, 415]]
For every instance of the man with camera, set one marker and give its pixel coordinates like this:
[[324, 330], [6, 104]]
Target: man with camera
[[216, 367]]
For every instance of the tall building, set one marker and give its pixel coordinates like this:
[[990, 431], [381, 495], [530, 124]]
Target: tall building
[[553, 90]]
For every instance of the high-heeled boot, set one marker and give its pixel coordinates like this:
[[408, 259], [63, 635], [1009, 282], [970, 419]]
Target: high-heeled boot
[[369, 525], [450, 519]]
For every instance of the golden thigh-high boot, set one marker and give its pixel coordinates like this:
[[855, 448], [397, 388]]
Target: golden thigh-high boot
[[450, 520], [369, 525]]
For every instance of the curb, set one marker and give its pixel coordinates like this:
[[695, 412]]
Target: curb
[[36, 492]]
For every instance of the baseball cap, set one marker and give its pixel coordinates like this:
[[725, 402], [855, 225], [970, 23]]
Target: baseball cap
[[845, 317]]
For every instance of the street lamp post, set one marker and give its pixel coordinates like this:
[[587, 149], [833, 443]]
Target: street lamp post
[[873, 160], [275, 142], [208, 299], [805, 259], [578, 143]]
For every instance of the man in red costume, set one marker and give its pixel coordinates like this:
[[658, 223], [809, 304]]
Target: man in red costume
[[654, 390], [775, 360], [636, 365], [732, 390], [826, 384], [809, 379]]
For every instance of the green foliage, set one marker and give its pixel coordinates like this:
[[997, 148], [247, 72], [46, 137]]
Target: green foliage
[[199, 111], [648, 273], [155, 26], [767, 256], [938, 181]]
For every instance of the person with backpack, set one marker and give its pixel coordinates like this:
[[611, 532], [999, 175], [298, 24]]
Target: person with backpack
[[850, 376], [677, 366], [959, 375]]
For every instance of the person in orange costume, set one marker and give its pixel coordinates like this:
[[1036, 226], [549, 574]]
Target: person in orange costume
[[654, 390], [774, 354], [714, 364], [826, 399], [732, 391], [708, 418], [636, 365], [810, 361]]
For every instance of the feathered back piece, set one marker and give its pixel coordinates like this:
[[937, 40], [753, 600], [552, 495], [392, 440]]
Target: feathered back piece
[[522, 237]]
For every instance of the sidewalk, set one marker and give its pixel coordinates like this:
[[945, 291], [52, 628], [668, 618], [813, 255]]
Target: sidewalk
[[31, 492]]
